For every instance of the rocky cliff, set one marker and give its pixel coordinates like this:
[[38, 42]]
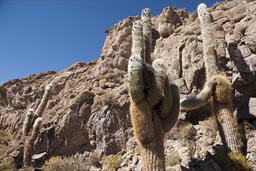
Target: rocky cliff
[[88, 111]]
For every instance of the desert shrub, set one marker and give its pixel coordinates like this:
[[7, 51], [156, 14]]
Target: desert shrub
[[173, 159], [185, 131], [107, 99], [58, 163], [231, 161], [94, 159], [27, 169], [7, 166], [103, 81], [211, 126], [66, 164], [5, 137], [112, 162]]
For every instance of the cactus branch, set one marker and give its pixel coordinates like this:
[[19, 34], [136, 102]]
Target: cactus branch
[[27, 122], [29, 142], [137, 39], [210, 57], [39, 111], [147, 34], [169, 121]]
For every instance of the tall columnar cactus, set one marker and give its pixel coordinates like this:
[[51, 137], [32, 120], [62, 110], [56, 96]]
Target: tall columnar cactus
[[217, 88], [154, 104], [31, 127]]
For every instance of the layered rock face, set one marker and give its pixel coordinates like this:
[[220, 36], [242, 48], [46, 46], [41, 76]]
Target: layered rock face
[[89, 108]]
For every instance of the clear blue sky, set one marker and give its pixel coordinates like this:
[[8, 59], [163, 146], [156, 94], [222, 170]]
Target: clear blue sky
[[42, 35]]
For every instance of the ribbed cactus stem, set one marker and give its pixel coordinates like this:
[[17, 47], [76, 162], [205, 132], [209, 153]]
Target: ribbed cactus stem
[[137, 39], [229, 127], [210, 58], [27, 123], [39, 111], [147, 34], [29, 142], [153, 156]]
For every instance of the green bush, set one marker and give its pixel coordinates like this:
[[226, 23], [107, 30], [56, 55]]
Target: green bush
[[112, 162], [66, 164], [232, 161], [58, 163], [107, 99], [5, 137], [7, 166]]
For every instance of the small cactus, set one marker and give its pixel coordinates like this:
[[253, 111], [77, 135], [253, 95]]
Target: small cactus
[[154, 104]]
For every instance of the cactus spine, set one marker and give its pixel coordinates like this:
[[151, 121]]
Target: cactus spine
[[217, 88], [33, 121], [154, 105]]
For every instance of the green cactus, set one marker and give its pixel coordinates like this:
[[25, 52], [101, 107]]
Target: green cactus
[[217, 89], [154, 104], [40, 109], [36, 121], [147, 34], [210, 57], [29, 142], [137, 39], [27, 122]]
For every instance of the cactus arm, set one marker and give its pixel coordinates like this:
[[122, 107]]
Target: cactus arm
[[36, 129], [29, 142], [135, 79], [27, 122], [171, 119], [201, 99], [137, 40], [210, 58], [157, 91], [166, 103], [147, 34], [43, 103]]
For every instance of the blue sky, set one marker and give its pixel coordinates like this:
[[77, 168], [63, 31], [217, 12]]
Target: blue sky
[[41, 35]]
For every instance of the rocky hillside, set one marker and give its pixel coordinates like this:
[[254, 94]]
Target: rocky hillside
[[88, 111]]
